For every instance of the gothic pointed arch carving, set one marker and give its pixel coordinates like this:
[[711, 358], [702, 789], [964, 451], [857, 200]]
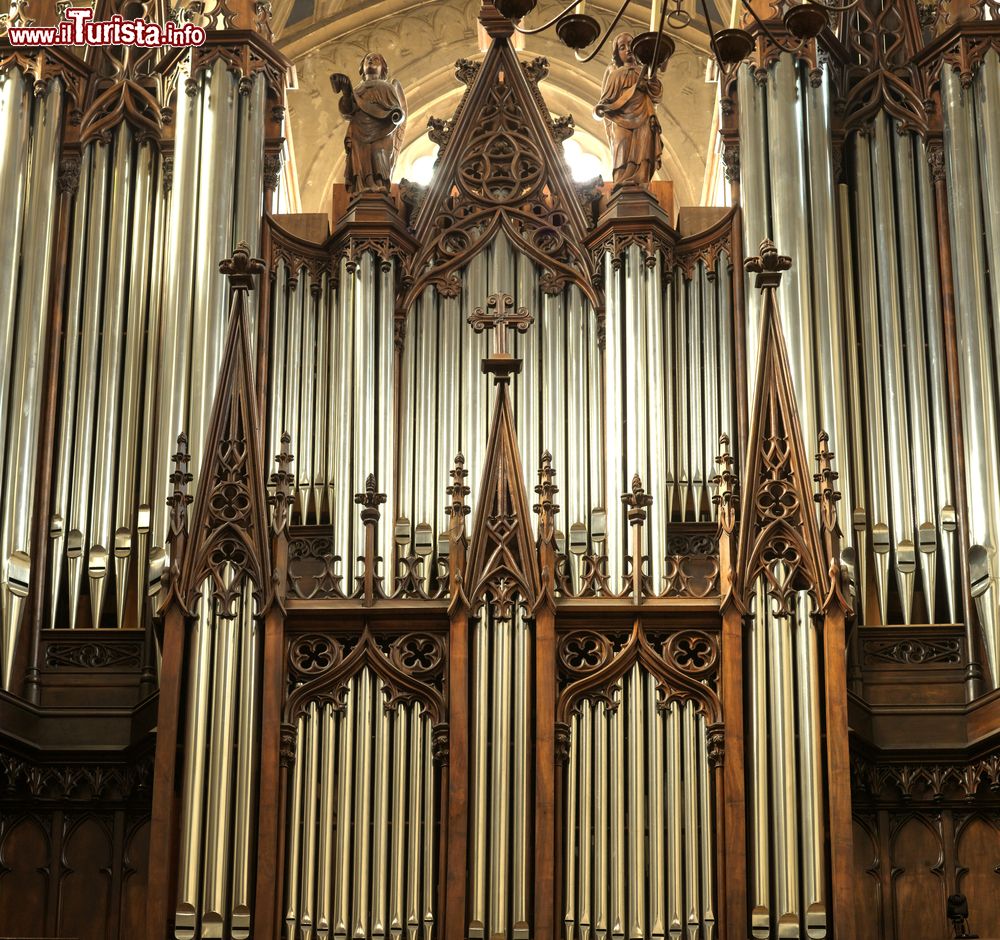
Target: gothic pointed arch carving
[[679, 666], [502, 563], [779, 533], [501, 168], [402, 676], [229, 539]]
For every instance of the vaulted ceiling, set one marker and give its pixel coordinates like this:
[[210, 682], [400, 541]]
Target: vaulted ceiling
[[421, 39]]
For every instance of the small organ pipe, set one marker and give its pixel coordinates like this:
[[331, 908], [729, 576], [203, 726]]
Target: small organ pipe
[[757, 681], [361, 817], [570, 879], [279, 391], [588, 783], [380, 838], [617, 801], [322, 422], [329, 778], [657, 823], [712, 379], [499, 777], [521, 781], [295, 828], [705, 832], [345, 812], [308, 896], [397, 883], [675, 812], [635, 762], [195, 749], [683, 474], [416, 775], [427, 828], [659, 521], [691, 900]]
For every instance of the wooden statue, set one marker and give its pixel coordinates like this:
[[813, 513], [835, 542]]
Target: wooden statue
[[628, 109], [376, 112]]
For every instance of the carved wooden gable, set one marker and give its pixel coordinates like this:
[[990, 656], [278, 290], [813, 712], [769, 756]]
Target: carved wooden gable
[[502, 562], [229, 539], [500, 167], [779, 533]]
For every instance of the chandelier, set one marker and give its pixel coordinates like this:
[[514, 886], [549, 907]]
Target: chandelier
[[803, 22]]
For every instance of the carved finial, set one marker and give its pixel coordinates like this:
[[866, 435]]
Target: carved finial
[[241, 268], [499, 315], [727, 490], [283, 482], [370, 499], [637, 501], [828, 495], [457, 490], [546, 489], [179, 499], [768, 265]]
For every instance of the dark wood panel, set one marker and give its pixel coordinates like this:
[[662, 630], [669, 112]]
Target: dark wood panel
[[978, 858], [919, 895], [25, 857], [85, 888], [868, 894]]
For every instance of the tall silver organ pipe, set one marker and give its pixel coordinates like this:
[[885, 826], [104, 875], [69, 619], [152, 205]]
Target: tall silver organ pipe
[[909, 477], [666, 429], [638, 836], [499, 871], [556, 396], [214, 865], [361, 846], [28, 204], [971, 150], [788, 898]]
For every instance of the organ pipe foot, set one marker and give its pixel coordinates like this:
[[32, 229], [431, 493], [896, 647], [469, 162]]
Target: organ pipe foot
[[57, 535], [521, 931], [760, 923], [241, 924], [74, 571], [123, 549], [880, 545], [211, 926], [15, 595], [906, 566], [788, 927], [185, 922], [97, 574], [816, 921]]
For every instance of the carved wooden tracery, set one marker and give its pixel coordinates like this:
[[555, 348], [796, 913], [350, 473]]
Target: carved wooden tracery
[[592, 664], [230, 535], [501, 170]]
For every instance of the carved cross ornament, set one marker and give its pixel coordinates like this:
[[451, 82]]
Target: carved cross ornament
[[499, 315]]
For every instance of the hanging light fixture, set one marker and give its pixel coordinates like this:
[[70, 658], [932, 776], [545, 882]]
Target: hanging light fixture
[[579, 30]]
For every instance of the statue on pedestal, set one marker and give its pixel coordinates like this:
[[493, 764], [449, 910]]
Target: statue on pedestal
[[376, 114], [628, 109]]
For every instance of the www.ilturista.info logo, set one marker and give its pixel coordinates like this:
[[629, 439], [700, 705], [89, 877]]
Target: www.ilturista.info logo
[[77, 30]]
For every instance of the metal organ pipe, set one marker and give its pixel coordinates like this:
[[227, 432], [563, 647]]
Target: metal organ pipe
[[68, 399], [367, 768], [22, 415], [638, 827], [966, 155], [657, 369], [871, 369], [305, 361], [109, 396], [901, 504]]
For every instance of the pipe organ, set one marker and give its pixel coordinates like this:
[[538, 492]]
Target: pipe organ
[[505, 557]]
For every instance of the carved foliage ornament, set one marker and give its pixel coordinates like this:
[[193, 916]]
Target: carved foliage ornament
[[502, 169], [680, 662]]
